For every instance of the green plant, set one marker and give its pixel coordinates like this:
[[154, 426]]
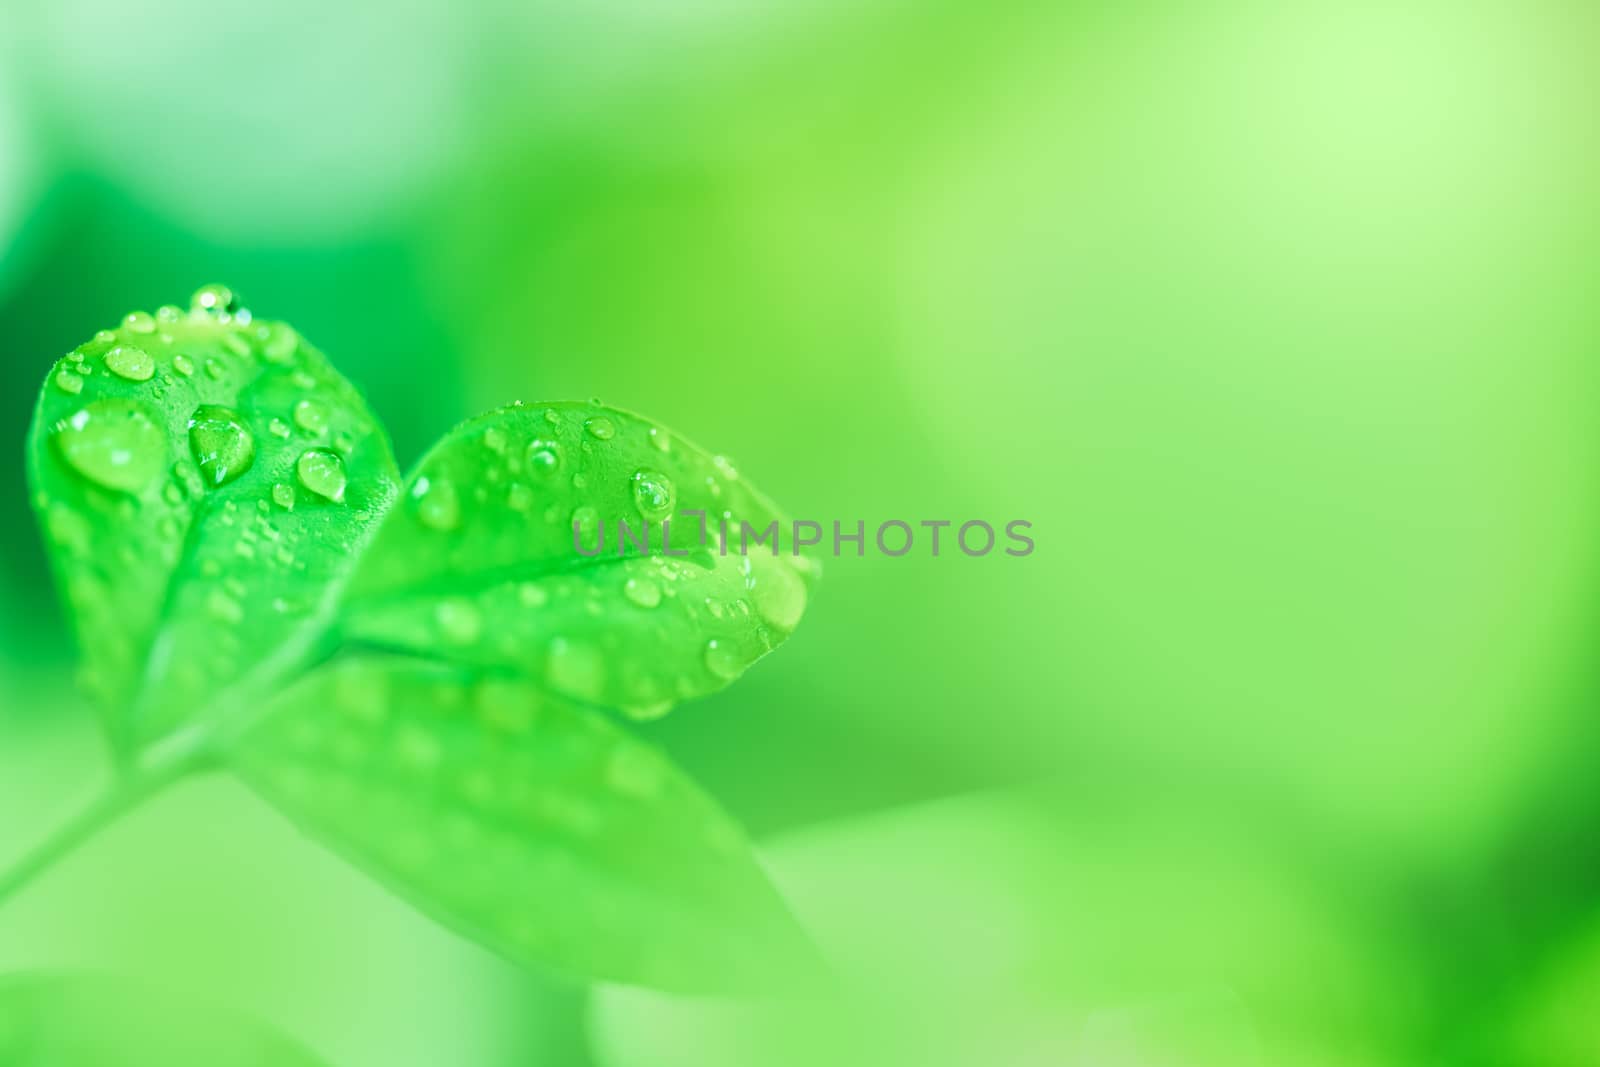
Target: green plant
[[96, 1021], [419, 671]]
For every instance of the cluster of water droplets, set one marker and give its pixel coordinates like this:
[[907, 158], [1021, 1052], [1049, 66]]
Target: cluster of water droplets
[[642, 632], [117, 443]]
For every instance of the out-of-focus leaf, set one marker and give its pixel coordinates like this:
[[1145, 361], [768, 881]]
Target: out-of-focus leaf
[[1070, 927], [482, 562], [204, 481], [1553, 1013], [83, 1021], [535, 827]]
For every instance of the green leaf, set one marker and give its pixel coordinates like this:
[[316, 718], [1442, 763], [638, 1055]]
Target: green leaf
[[534, 827], [204, 481], [481, 562], [84, 1021]]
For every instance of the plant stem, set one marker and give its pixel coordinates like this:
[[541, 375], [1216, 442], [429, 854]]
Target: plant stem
[[124, 794]]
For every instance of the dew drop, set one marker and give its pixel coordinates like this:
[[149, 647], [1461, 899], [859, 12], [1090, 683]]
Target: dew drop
[[642, 591], [660, 440], [438, 504], [646, 711], [585, 522], [544, 458], [458, 621], [311, 417], [600, 428], [576, 669], [278, 428], [322, 473], [283, 496], [69, 529], [222, 445], [778, 592], [722, 661], [653, 492], [167, 313], [130, 362], [216, 298], [183, 365], [494, 439], [224, 608], [281, 343], [140, 322], [114, 444], [68, 382], [213, 369], [725, 465]]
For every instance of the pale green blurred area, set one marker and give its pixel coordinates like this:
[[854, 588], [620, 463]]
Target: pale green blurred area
[[1277, 321]]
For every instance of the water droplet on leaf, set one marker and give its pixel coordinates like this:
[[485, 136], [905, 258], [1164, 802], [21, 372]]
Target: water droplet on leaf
[[225, 608], [576, 670], [600, 428], [214, 298], [281, 343], [585, 522], [130, 362], [642, 591], [322, 473], [544, 458], [653, 492], [722, 661], [113, 443], [438, 505], [222, 445], [778, 592], [140, 322], [459, 622], [311, 417]]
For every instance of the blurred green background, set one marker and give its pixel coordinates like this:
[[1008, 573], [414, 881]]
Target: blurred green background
[[1277, 321]]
